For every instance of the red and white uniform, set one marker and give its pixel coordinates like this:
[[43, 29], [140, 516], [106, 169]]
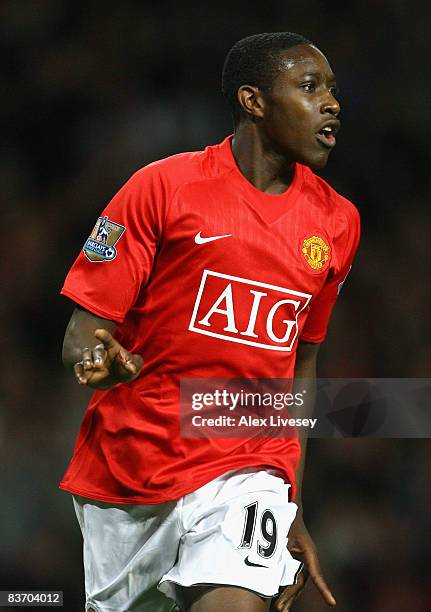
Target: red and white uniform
[[231, 307]]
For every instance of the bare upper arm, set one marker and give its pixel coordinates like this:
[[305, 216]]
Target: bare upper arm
[[80, 334]]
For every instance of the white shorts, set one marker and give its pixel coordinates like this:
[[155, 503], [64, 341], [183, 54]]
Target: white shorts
[[232, 531]]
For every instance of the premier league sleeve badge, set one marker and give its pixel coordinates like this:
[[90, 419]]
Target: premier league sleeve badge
[[100, 246]]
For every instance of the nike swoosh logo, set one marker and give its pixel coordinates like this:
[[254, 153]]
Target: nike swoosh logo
[[251, 564], [200, 240]]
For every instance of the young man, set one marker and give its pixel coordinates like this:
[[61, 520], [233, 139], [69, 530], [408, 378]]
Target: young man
[[221, 263]]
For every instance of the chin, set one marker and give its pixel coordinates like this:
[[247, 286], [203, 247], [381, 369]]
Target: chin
[[316, 161], [319, 165]]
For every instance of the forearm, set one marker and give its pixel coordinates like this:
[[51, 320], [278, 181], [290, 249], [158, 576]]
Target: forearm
[[305, 380], [306, 412], [80, 335]]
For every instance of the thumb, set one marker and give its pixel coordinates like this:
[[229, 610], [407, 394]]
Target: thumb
[[107, 339]]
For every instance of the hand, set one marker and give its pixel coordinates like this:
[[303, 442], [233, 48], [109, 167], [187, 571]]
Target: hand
[[302, 546], [107, 364]]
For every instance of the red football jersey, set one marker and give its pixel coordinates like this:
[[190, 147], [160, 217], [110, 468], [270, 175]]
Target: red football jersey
[[207, 277]]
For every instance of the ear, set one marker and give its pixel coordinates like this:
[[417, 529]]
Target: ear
[[251, 101]]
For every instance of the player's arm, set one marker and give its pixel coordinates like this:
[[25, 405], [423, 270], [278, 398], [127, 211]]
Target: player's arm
[[305, 374], [300, 543], [96, 358]]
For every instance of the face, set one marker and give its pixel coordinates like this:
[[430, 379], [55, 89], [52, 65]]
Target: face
[[299, 116]]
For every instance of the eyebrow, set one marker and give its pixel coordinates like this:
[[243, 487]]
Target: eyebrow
[[318, 75]]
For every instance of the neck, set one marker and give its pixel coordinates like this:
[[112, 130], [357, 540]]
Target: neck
[[267, 170]]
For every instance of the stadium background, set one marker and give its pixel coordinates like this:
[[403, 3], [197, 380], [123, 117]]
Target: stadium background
[[92, 91]]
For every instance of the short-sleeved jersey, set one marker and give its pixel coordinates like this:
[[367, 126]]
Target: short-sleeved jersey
[[207, 277]]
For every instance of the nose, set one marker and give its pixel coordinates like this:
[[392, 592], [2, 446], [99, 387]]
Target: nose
[[330, 105]]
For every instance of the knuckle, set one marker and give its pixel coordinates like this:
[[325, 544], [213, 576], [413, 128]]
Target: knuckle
[[99, 355]]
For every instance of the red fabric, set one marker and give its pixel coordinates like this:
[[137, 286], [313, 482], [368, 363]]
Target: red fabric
[[129, 449]]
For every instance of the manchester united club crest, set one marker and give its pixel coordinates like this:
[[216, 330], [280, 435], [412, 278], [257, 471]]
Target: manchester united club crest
[[316, 252], [100, 246]]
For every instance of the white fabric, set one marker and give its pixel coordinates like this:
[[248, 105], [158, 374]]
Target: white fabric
[[195, 540]]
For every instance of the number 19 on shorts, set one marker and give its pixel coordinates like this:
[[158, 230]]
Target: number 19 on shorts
[[267, 531]]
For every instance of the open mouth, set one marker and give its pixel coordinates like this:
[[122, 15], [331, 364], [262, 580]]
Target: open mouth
[[326, 136]]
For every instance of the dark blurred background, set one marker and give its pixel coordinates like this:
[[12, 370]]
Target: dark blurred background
[[94, 90]]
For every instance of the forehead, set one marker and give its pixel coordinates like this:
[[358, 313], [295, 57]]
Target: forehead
[[303, 59]]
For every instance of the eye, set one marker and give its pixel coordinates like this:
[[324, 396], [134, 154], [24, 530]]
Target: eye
[[309, 86], [335, 92]]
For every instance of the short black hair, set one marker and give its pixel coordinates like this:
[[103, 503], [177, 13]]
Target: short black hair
[[255, 60]]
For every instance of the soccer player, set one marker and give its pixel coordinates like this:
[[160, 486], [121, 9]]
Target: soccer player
[[222, 263]]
